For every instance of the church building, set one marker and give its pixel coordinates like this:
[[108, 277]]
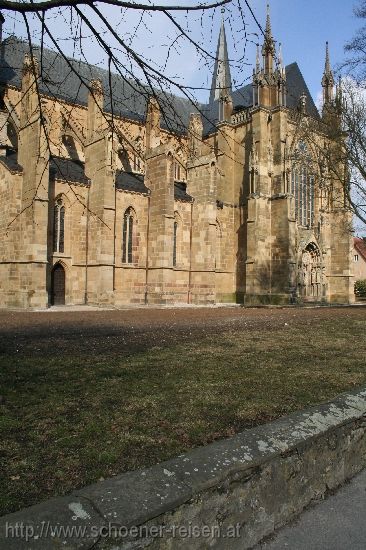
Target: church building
[[112, 195]]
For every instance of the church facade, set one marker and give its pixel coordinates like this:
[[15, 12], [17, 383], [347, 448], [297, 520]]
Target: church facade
[[228, 206]]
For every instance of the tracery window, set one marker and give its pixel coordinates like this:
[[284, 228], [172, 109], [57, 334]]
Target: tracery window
[[59, 226], [302, 186], [127, 239]]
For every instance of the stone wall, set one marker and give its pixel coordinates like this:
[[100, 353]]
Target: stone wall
[[244, 487]]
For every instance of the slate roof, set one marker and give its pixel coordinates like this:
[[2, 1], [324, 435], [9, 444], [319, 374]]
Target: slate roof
[[72, 171], [10, 160], [180, 192], [60, 78], [243, 98], [67, 170], [129, 98], [131, 182]]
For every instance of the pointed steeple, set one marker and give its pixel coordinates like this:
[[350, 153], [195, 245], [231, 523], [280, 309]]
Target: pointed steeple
[[268, 48], [268, 45], [327, 69], [221, 80], [328, 79], [269, 81]]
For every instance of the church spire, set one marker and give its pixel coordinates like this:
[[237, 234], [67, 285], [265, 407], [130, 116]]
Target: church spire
[[268, 48], [221, 89], [328, 79], [268, 38], [268, 25]]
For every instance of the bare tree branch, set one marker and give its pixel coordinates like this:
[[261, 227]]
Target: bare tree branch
[[26, 7]]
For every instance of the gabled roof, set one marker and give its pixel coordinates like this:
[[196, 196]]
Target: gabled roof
[[360, 246]]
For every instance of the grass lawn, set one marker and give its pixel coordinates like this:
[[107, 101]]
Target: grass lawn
[[68, 419]]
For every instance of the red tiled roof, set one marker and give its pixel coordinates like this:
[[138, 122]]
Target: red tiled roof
[[360, 246]]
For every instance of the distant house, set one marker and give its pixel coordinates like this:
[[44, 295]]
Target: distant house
[[359, 258]]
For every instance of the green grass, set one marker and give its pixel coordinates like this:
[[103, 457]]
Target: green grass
[[68, 421]]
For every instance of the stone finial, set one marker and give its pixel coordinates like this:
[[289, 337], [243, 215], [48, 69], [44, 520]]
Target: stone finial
[[195, 133], [257, 61], [96, 87], [302, 105], [281, 66], [153, 124], [30, 65], [153, 111], [96, 120], [339, 94]]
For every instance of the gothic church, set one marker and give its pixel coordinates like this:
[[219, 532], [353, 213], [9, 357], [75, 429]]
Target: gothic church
[[177, 204]]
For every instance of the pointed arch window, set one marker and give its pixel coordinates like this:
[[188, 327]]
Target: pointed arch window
[[127, 237], [302, 186], [59, 227]]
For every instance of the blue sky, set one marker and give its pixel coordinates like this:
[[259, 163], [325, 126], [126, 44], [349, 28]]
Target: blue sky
[[302, 26]]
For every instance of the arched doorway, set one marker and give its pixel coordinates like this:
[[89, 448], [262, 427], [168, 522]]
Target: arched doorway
[[58, 285], [311, 276]]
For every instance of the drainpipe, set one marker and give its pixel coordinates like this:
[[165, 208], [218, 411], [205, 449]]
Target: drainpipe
[[114, 236], [147, 250], [190, 258], [86, 248]]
